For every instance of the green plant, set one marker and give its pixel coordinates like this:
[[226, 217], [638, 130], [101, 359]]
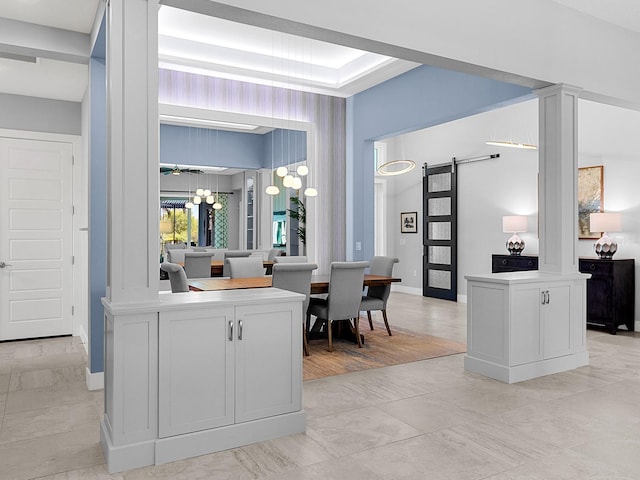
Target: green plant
[[299, 214]]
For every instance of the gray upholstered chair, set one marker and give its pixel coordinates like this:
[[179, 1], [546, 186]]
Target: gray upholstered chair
[[197, 264], [291, 259], [296, 277], [376, 297], [232, 254], [245, 267], [177, 277], [343, 300], [273, 253]]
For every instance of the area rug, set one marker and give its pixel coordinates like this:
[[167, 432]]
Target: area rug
[[379, 350]]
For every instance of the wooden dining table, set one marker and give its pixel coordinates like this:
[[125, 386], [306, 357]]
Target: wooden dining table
[[216, 268], [319, 283]]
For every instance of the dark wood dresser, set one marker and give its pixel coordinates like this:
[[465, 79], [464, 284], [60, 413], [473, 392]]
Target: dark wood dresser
[[513, 263], [610, 292]]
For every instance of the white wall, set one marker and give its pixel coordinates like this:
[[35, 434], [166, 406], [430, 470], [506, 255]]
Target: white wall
[[489, 189]]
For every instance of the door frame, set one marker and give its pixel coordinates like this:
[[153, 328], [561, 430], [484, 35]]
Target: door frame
[[79, 236]]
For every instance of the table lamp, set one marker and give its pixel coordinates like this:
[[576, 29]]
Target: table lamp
[[605, 222], [514, 224]]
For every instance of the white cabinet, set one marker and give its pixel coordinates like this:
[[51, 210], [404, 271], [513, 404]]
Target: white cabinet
[[196, 373], [525, 324], [225, 366]]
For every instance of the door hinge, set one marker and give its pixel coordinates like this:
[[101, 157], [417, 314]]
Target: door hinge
[[73, 210], [73, 159], [73, 260], [73, 310]]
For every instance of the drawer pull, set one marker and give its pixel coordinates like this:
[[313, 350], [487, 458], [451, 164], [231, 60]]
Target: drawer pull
[[530, 263], [592, 267], [505, 261]]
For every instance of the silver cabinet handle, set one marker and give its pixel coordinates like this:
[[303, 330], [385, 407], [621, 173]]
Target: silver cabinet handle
[[2, 264], [231, 330], [240, 330], [548, 297]]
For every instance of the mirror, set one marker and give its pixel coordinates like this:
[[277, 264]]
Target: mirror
[[234, 156]]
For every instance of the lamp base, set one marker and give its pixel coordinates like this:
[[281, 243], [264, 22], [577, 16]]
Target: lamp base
[[606, 246], [515, 245]]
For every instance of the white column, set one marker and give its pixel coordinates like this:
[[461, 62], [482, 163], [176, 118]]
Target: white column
[[558, 178], [132, 151]]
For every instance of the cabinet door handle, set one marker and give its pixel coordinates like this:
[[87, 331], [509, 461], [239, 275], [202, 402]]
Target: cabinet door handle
[[231, 330], [548, 297], [544, 298], [240, 330]]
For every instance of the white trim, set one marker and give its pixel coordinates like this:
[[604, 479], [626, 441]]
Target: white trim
[[462, 298], [84, 338], [408, 290], [95, 381]]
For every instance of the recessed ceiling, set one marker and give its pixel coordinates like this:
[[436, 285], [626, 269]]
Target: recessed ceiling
[[211, 46]]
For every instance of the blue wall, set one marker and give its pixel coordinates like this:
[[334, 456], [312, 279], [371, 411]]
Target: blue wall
[[220, 148], [421, 98], [97, 213]]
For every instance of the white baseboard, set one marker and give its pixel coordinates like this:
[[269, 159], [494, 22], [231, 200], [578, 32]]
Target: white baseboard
[[84, 338], [408, 290], [95, 381], [418, 291]]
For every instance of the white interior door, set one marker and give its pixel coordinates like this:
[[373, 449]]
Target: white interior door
[[36, 280]]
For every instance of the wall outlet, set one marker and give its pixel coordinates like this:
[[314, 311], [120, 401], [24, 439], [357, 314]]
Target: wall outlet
[[358, 245]]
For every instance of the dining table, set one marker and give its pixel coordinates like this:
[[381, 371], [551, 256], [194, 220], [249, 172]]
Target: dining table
[[216, 268], [319, 283]]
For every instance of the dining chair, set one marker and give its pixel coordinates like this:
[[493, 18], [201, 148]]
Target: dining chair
[[232, 254], [343, 300], [296, 277], [197, 264], [376, 297], [273, 253], [291, 259], [241, 267], [177, 277]]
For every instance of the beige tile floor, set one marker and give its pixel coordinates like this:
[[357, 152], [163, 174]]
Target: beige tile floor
[[423, 420]]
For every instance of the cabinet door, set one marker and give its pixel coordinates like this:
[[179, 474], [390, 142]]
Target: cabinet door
[[556, 322], [268, 360], [196, 380], [525, 346]]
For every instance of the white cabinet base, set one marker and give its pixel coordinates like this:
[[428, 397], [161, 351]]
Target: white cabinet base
[[523, 325], [223, 438], [200, 372], [527, 371]]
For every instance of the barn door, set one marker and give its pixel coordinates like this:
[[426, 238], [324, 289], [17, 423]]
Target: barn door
[[440, 232]]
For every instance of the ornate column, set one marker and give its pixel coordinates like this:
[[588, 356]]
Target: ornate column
[[558, 178], [132, 151]]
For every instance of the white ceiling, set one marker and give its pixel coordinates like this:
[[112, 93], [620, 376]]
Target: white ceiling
[[216, 47]]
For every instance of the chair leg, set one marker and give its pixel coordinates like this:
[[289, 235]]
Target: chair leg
[[305, 330], [370, 321], [356, 324], [329, 335], [386, 323]]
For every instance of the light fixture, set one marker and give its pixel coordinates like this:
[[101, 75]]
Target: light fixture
[[514, 224], [217, 205], [282, 171], [606, 246], [396, 167], [199, 192], [206, 192], [272, 190], [175, 171], [310, 192], [302, 170], [497, 143], [287, 181], [296, 183], [197, 200]]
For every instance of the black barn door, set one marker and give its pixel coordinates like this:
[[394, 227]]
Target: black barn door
[[440, 259]]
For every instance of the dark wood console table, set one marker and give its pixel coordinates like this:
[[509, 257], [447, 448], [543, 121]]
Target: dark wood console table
[[610, 292], [513, 263]]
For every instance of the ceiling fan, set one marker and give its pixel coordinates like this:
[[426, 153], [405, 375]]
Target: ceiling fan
[[177, 170]]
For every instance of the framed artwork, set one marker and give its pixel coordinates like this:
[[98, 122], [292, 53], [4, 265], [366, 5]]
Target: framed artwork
[[590, 198], [409, 222]]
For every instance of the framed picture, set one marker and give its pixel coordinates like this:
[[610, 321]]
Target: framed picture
[[409, 222], [590, 198]]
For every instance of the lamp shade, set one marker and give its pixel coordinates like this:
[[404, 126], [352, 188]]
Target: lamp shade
[[514, 223], [605, 222]]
